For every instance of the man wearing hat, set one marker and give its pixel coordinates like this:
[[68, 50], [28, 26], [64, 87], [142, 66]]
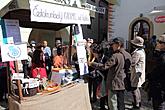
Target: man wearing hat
[[32, 44], [157, 76], [57, 44], [138, 69], [115, 77]]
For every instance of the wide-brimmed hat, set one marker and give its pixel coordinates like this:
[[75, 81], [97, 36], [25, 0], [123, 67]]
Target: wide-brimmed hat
[[138, 41]]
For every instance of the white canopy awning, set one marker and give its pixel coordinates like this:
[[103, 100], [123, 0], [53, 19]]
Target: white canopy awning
[[3, 3]]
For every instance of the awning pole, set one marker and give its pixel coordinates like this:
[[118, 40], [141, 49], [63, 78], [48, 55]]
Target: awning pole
[[70, 45]]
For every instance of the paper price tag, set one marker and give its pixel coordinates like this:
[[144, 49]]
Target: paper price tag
[[33, 83], [18, 76]]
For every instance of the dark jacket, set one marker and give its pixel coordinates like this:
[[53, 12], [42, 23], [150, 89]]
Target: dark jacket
[[157, 77], [116, 75]]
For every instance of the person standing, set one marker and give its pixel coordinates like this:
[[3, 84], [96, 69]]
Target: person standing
[[138, 69], [115, 77], [47, 54], [3, 78], [33, 44], [38, 69], [54, 50], [60, 61], [157, 76], [101, 58]]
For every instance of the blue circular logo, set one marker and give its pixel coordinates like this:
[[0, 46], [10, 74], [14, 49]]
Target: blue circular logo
[[14, 51]]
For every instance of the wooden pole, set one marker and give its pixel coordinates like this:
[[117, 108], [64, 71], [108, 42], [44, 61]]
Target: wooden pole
[[18, 82], [70, 45]]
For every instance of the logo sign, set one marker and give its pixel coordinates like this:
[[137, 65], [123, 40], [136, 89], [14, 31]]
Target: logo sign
[[160, 19], [18, 76], [14, 52], [11, 52]]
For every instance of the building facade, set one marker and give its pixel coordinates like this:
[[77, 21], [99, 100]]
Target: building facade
[[130, 16]]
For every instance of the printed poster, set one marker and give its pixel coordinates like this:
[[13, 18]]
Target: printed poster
[[81, 51], [12, 30]]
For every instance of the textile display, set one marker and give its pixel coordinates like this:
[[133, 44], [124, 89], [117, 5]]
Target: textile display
[[74, 97]]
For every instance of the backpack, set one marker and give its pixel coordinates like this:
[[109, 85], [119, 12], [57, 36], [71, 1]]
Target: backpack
[[127, 71]]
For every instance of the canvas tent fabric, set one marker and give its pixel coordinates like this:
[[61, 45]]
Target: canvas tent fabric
[[72, 98]]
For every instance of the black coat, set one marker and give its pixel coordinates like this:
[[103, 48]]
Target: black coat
[[157, 77]]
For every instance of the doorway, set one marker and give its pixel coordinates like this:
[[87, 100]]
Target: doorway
[[143, 27]]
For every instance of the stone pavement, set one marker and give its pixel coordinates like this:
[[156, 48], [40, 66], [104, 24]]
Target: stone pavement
[[146, 105]]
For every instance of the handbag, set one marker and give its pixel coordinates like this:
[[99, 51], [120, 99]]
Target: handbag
[[39, 73]]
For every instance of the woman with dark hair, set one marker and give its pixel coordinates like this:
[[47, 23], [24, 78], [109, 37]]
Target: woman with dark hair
[[59, 61], [101, 87], [38, 64]]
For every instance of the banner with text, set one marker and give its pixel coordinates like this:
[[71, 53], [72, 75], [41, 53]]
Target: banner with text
[[47, 12], [81, 51]]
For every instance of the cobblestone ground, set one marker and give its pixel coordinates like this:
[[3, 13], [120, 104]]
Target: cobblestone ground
[[146, 105]]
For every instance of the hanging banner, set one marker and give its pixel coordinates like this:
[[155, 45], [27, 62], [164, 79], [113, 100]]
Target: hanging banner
[[47, 12], [81, 51], [11, 52]]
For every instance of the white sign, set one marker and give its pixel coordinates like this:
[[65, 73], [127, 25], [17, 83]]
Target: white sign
[[47, 12], [81, 53], [12, 30], [18, 76], [95, 8], [33, 83], [11, 52]]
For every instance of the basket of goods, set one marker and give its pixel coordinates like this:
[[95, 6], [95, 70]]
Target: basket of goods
[[52, 87]]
